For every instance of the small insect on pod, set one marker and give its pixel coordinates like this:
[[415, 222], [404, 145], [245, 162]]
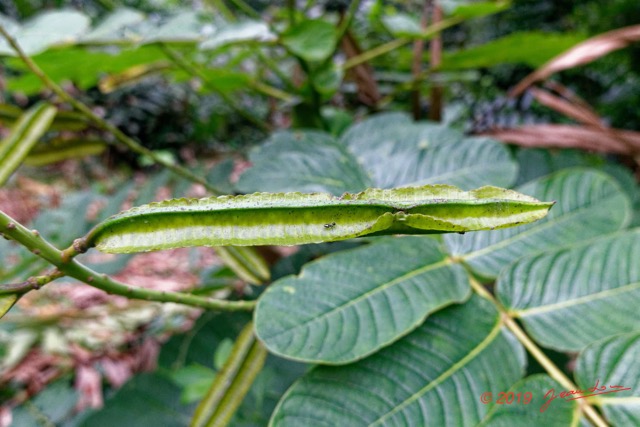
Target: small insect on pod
[[330, 225]]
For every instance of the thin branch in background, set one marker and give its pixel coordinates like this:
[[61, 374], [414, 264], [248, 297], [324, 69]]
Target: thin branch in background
[[181, 62], [535, 351], [435, 49], [362, 74], [385, 48], [32, 283], [33, 241], [416, 66], [99, 121]]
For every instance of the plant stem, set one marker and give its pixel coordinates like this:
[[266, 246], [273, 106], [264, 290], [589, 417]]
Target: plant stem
[[33, 241], [435, 48], [416, 66], [232, 382], [34, 282], [535, 351], [395, 44], [99, 121], [346, 21]]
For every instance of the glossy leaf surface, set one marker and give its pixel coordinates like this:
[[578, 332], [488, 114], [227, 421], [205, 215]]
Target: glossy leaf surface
[[557, 294], [385, 151], [413, 381], [590, 204], [347, 305], [514, 409], [607, 364]]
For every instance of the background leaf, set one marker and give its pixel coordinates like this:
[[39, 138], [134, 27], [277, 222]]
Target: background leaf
[[311, 39], [532, 48], [399, 152], [613, 361], [346, 306], [590, 204], [570, 298], [244, 31], [412, 381], [303, 161], [385, 151], [45, 30], [519, 413], [113, 26]]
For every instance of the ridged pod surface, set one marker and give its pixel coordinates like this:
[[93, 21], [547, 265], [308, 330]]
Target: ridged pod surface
[[298, 218]]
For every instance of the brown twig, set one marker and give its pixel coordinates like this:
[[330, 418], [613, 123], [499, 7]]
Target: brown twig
[[435, 48]]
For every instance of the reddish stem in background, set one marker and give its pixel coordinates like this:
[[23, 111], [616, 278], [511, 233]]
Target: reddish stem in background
[[416, 67], [435, 47]]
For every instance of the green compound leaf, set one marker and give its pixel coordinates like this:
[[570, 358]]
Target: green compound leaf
[[456, 355], [613, 362], [515, 411], [590, 204], [396, 151], [295, 218], [556, 294], [24, 135], [303, 161], [384, 151], [348, 305]]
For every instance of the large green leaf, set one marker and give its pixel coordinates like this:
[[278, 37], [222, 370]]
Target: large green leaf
[[80, 65], [55, 403], [45, 30], [398, 152], [23, 136], [184, 26], [531, 48], [434, 376], [296, 218], [590, 204], [387, 150], [240, 32], [303, 161], [613, 362], [311, 39], [526, 406], [348, 305], [570, 298]]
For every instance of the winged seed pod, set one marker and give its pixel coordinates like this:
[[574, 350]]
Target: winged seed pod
[[298, 218]]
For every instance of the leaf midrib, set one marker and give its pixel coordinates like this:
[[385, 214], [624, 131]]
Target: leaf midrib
[[577, 301], [534, 229], [489, 339], [368, 294]]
